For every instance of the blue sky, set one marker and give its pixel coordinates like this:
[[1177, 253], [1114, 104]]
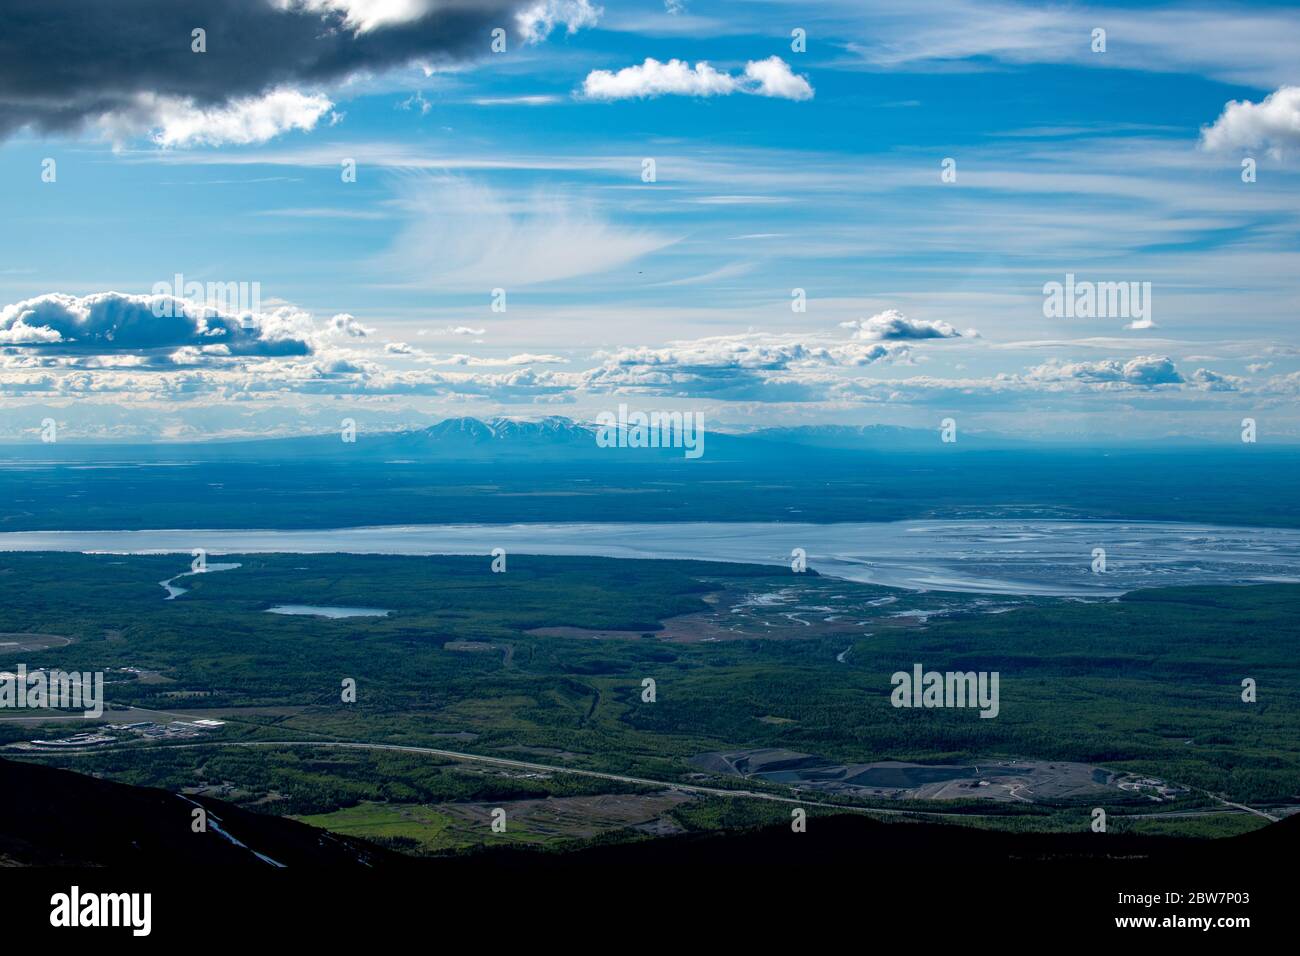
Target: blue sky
[[775, 170]]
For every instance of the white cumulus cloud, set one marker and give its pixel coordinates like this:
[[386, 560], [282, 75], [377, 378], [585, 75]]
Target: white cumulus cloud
[[539, 20], [892, 325], [771, 77], [108, 323], [176, 121], [1144, 371], [345, 324], [1272, 124], [774, 77]]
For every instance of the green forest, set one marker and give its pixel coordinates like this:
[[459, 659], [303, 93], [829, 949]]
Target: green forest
[[1149, 683]]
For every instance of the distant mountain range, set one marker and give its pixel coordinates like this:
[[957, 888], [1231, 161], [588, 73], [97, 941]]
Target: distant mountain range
[[457, 437], [882, 438], [473, 438], [554, 438]]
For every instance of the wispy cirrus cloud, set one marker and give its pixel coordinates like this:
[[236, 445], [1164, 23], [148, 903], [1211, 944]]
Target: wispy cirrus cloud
[[1237, 43], [465, 235], [528, 99]]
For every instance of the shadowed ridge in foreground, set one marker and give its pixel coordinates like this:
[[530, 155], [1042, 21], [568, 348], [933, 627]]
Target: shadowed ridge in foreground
[[51, 817], [54, 817]]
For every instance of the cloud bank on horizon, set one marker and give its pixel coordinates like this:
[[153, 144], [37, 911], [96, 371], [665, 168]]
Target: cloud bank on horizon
[[768, 212]]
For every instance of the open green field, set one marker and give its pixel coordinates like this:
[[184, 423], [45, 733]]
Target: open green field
[[398, 825]]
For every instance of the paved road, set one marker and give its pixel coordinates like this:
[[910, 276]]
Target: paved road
[[528, 765], [620, 778]]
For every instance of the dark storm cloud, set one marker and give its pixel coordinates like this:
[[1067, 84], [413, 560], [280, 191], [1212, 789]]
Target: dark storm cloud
[[63, 62]]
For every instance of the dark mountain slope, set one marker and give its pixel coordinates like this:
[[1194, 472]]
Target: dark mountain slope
[[52, 817]]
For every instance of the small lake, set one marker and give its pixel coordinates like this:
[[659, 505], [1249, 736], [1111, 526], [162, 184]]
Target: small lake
[[319, 610]]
